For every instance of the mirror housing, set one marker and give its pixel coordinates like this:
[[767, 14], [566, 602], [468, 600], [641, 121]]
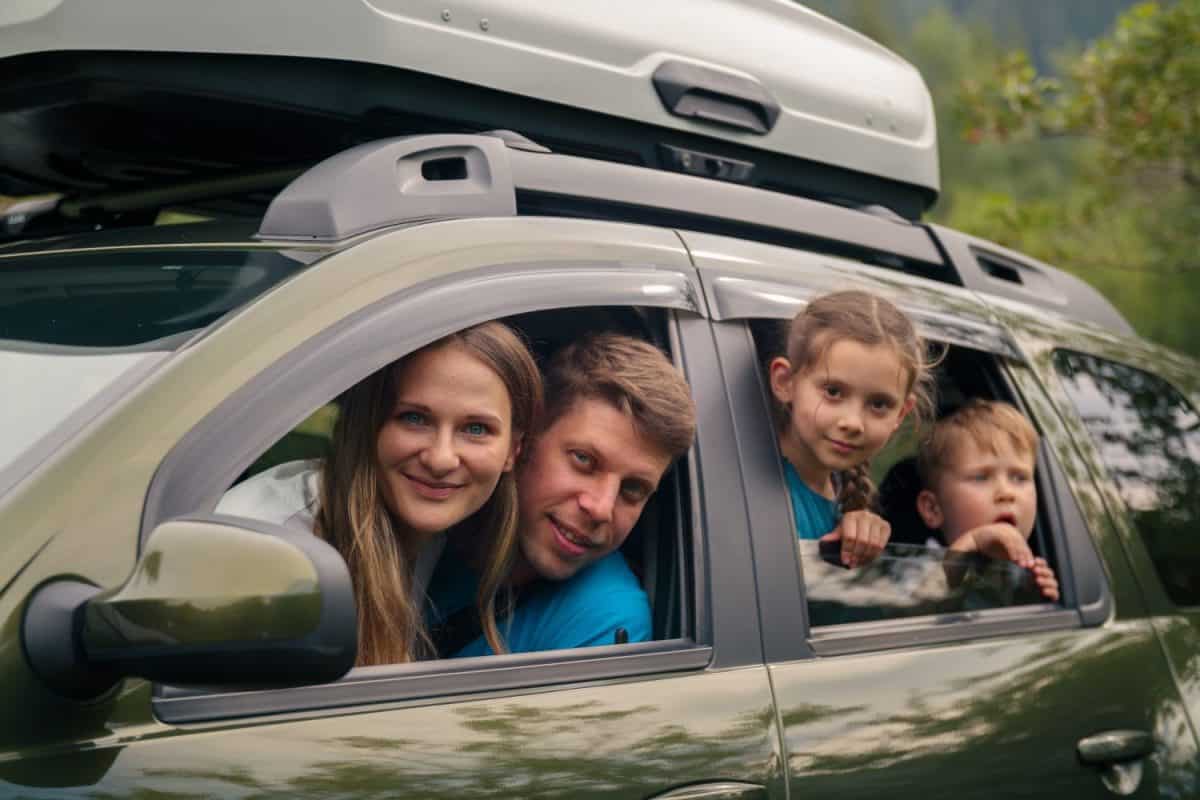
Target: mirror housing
[[213, 601]]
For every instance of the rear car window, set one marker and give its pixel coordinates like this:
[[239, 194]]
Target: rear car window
[[1148, 436]]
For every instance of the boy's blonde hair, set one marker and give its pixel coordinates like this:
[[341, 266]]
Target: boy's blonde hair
[[985, 423]]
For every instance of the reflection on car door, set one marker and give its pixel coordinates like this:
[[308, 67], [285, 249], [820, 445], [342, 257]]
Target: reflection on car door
[[1140, 432], [981, 704]]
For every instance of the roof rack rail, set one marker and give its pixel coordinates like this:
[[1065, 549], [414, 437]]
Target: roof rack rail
[[418, 178], [393, 181], [987, 267]]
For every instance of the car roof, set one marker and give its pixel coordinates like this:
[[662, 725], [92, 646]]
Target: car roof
[[220, 234]]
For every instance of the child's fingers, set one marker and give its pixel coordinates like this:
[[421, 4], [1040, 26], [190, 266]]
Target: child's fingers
[[1047, 583], [863, 536]]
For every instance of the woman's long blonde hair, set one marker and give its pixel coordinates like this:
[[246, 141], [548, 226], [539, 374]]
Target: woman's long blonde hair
[[869, 320], [379, 553]]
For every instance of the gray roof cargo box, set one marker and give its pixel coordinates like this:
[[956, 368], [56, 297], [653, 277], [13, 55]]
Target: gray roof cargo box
[[128, 94]]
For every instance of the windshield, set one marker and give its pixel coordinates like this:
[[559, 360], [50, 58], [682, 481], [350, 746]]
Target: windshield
[[73, 324]]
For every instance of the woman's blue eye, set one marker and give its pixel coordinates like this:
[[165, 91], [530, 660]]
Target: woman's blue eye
[[476, 429], [581, 458], [411, 417]]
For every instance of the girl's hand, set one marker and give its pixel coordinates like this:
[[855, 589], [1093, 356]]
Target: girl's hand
[[863, 535]]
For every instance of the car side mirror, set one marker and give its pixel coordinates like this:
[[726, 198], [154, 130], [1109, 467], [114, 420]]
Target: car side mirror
[[213, 600]]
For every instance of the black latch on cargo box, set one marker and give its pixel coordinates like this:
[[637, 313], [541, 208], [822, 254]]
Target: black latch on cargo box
[[710, 95], [692, 162]]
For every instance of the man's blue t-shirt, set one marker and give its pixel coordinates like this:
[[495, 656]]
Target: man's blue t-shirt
[[815, 515], [583, 611]]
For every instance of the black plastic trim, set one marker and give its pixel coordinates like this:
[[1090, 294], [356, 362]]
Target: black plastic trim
[[895, 634], [439, 681], [689, 197], [784, 613], [724, 555], [709, 95]]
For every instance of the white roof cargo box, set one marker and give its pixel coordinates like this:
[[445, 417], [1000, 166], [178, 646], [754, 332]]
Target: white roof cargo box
[[778, 95]]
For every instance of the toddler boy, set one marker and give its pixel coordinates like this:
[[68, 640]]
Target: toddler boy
[[977, 466]]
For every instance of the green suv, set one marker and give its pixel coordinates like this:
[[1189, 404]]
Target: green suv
[[150, 647]]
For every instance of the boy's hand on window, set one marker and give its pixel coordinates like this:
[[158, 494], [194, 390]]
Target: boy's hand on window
[[1044, 579], [999, 541], [863, 535]]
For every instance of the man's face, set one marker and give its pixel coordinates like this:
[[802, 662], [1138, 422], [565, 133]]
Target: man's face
[[583, 488], [980, 487]]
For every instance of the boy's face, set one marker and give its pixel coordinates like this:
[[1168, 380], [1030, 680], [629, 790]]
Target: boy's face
[[979, 487]]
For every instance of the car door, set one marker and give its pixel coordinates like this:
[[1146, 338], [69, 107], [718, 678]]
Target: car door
[[976, 703], [688, 715], [1131, 409]]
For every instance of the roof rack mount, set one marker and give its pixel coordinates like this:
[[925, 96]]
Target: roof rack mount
[[391, 181]]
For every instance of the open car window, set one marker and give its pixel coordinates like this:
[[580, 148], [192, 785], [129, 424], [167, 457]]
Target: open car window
[[916, 576]]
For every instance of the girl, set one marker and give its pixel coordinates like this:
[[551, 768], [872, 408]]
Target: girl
[[424, 445], [855, 368]]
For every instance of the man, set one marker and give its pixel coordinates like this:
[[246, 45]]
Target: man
[[617, 414]]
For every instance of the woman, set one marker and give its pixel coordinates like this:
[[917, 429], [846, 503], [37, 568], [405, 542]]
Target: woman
[[424, 445]]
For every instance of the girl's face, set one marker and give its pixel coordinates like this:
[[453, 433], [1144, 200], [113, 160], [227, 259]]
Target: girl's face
[[843, 407], [448, 440]]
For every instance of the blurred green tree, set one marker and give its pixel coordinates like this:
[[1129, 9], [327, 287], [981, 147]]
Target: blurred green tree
[[1129, 218]]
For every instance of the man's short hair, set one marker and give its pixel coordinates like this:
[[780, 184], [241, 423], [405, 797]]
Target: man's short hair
[[985, 423], [633, 376]]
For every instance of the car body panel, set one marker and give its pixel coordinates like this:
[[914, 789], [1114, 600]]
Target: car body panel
[[1178, 627], [996, 699], [620, 739], [93, 487], [994, 716], [622, 735]]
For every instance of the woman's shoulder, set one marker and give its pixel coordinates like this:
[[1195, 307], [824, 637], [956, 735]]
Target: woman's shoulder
[[286, 494]]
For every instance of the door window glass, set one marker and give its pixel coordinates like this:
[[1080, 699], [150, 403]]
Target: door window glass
[[908, 580], [1148, 436]]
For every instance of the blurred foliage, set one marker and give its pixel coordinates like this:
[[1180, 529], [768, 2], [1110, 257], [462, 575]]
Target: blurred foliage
[[1094, 168]]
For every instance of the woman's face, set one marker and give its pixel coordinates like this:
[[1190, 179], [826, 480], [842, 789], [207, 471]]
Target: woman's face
[[448, 439]]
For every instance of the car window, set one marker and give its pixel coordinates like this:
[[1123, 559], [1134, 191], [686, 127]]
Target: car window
[[70, 325], [1148, 437], [286, 491], [916, 575]]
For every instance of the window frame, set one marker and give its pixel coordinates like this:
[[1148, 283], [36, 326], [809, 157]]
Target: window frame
[[780, 574], [204, 462]]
